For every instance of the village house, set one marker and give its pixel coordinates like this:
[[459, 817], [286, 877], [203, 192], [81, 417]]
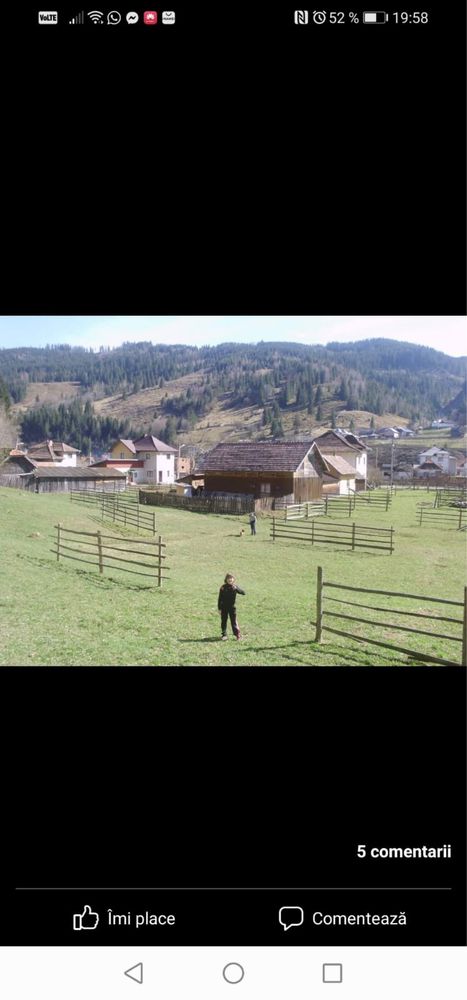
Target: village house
[[340, 477], [53, 453], [23, 472], [441, 457], [428, 468], [184, 465], [388, 432], [344, 445], [146, 460], [268, 470]]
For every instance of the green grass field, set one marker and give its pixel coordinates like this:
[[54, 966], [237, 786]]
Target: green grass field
[[64, 614]]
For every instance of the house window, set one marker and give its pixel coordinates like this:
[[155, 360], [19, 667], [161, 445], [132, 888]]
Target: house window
[[149, 474], [147, 455], [265, 488], [160, 477], [122, 454]]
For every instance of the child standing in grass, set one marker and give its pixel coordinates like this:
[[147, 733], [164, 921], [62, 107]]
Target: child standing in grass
[[226, 605]]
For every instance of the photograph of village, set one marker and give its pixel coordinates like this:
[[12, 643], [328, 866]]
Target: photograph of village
[[233, 491]]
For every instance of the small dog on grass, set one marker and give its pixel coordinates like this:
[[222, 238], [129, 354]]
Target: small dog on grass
[[242, 532]]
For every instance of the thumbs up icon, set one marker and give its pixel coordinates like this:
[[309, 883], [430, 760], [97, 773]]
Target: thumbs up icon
[[85, 921]]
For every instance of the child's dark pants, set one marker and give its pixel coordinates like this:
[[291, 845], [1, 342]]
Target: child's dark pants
[[232, 614]]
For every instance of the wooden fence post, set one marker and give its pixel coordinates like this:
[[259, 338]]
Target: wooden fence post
[[58, 541], [313, 531], [350, 505], [274, 526], [387, 501], [420, 521], [99, 552], [464, 632], [154, 522], [460, 517], [159, 568], [319, 605], [391, 541], [353, 536], [137, 517]]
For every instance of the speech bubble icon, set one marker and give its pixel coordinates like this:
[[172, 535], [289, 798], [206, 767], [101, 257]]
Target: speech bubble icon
[[290, 916]]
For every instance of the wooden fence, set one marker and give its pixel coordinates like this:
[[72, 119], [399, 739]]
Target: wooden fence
[[99, 548], [444, 518], [118, 508], [200, 505], [353, 536], [446, 497], [322, 615], [311, 508]]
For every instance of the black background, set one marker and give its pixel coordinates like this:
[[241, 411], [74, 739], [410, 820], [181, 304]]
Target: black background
[[235, 166], [235, 163]]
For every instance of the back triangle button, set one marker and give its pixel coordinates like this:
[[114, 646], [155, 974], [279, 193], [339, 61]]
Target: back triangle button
[[136, 972]]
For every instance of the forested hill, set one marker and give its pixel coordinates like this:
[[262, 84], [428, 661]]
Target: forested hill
[[376, 375]]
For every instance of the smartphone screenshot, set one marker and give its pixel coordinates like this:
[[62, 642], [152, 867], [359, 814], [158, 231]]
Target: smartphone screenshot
[[233, 503]]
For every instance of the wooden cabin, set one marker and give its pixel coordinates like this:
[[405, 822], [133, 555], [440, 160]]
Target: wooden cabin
[[268, 470]]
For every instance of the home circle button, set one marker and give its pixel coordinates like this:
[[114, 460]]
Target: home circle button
[[233, 972]]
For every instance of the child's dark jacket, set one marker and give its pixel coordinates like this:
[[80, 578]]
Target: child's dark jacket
[[227, 595]]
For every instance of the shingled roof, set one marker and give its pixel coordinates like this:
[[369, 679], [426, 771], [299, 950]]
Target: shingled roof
[[339, 466], [337, 439], [150, 443], [47, 450], [75, 472], [257, 456]]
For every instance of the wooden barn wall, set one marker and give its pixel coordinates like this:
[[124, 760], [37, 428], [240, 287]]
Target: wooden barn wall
[[281, 484], [307, 488]]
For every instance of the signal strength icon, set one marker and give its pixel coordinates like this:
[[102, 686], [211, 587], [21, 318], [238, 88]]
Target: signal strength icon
[[97, 16], [78, 19]]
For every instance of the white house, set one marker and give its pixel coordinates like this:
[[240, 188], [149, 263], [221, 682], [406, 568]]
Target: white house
[[158, 461], [441, 457], [349, 447], [54, 453], [388, 432], [341, 477]]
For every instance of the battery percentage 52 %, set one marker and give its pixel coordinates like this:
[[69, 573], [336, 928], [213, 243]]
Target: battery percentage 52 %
[[334, 16]]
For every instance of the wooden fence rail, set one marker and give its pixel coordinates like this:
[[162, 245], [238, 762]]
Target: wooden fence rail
[[200, 505], [445, 497], [322, 614], [99, 549], [444, 518], [114, 508], [353, 536], [310, 508]]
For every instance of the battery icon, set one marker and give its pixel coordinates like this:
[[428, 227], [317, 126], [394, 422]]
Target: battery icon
[[375, 17]]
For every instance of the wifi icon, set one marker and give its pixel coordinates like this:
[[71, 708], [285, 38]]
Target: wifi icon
[[97, 16]]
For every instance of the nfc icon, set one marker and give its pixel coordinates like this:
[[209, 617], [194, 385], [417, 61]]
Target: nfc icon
[[300, 16]]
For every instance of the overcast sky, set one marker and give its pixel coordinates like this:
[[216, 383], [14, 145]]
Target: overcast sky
[[444, 333]]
